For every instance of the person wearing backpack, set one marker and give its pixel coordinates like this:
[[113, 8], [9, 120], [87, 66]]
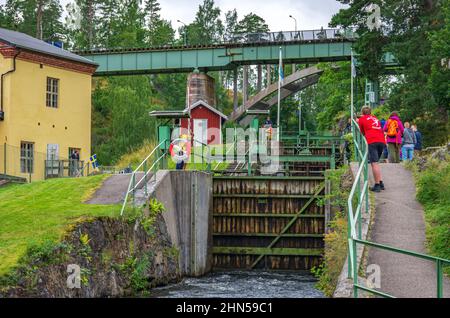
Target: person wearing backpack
[[371, 128], [394, 132], [409, 140]]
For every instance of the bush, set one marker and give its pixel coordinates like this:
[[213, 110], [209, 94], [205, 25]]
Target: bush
[[336, 247], [433, 192]]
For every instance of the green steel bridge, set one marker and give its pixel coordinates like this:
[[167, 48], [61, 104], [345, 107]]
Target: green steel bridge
[[325, 45]]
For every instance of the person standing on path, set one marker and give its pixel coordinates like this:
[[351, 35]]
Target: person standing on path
[[394, 131], [371, 128], [409, 141], [418, 145]]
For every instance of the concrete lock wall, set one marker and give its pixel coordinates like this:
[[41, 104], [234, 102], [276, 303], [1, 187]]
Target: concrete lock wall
[[187, 197]]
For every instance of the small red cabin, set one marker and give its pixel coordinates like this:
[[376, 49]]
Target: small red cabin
[[205, 123]]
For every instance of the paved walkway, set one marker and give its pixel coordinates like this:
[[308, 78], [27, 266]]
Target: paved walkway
[[399, 222], [113, 189]]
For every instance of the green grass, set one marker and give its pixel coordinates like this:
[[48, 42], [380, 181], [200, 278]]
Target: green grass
[[39, 212]]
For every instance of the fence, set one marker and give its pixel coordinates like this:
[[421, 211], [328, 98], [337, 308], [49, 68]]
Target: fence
[[34, 165], [358, 195]]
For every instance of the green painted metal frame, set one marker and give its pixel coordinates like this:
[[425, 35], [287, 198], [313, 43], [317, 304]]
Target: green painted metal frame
[[354, 223], [132, 185], [220, 57], [213, 58]]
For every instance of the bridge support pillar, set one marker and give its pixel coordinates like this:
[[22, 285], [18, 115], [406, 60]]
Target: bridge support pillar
[[235, 89], [245, 85], [269, 74], [259, 81]]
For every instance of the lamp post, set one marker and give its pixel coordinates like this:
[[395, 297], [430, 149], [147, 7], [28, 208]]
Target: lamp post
[[185, 31], [295, 20]]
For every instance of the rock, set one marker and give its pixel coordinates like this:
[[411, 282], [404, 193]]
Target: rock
[[119, 259]]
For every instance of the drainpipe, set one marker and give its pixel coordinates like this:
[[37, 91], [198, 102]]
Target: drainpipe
[[2, 114]]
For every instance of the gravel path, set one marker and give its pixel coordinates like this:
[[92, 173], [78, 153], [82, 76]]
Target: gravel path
[[399, 222]]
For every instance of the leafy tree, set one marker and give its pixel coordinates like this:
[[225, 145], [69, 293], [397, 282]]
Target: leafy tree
[[414, 32], [82, 22], [38, 18], [159, 31], [252, 23], [207, 27]]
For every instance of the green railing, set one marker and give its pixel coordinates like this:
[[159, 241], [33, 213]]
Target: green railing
[[359, 194], [145, 168]]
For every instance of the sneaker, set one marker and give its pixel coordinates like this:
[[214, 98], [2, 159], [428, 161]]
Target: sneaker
[[376, 188], [381, 185]]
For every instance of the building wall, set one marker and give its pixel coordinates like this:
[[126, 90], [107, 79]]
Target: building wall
[[27, 118], [214, 121]]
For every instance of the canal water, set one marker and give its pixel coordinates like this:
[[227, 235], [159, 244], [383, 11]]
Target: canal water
[[243, 284]]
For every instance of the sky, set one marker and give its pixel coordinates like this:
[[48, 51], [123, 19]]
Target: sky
[[310, 14]]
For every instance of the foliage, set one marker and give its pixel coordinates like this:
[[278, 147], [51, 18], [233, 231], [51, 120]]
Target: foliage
[[38, 212], [416, 33], [434, 193], [334, 256], [207, 27], [336, 239], [38, 18]]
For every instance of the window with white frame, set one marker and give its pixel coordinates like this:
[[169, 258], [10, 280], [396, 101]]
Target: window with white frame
[[26, 157], [52, 92]]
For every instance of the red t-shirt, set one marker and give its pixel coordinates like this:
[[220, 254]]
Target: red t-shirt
[[371, 128]]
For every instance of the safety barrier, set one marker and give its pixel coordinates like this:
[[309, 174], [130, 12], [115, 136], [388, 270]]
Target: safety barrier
[[359, 194]]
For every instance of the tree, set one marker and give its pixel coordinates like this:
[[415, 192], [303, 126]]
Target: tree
[[38, 18], [409, 30], [159, 31], [252, 23], [207, 27], [82, 22]]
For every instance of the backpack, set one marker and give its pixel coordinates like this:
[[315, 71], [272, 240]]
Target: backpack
[[392, 128]]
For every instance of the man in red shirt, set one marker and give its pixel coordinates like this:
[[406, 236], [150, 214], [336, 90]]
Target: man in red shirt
[[371, 128]]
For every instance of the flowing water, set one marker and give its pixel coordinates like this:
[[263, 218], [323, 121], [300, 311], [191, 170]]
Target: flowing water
[[244, 284]]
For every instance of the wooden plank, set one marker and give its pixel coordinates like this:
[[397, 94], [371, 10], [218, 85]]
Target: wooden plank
[[287, 227], [267, 178], [268, 195], [270, 235], [265, 251], [267, 215]]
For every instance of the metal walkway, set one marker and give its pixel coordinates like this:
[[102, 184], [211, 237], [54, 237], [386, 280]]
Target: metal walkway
[[261, 101], [312, 46]]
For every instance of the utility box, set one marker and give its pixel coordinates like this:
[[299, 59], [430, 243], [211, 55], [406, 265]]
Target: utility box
[[164, 134], [255, 124]]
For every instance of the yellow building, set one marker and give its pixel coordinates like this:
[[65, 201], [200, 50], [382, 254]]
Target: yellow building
[[45, 110]]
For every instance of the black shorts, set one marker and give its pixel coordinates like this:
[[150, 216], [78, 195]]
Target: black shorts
[[375, 151]]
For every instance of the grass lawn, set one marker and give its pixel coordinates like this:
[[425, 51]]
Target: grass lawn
[[33, 213]]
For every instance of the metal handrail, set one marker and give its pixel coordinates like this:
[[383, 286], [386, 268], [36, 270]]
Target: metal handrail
[[226, 153], [132, 184], [354, 219]]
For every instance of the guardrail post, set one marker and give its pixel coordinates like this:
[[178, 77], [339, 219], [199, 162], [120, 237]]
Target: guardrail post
[[145, 178], [134, 185], [355, 269], [333, 157], [4, 157], [439, 278], [349, 260]]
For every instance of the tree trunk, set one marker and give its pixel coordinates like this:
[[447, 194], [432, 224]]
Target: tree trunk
[[39, 14], [90, 16]]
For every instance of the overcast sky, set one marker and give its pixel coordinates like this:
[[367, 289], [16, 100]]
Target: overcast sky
[[310, 14]]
